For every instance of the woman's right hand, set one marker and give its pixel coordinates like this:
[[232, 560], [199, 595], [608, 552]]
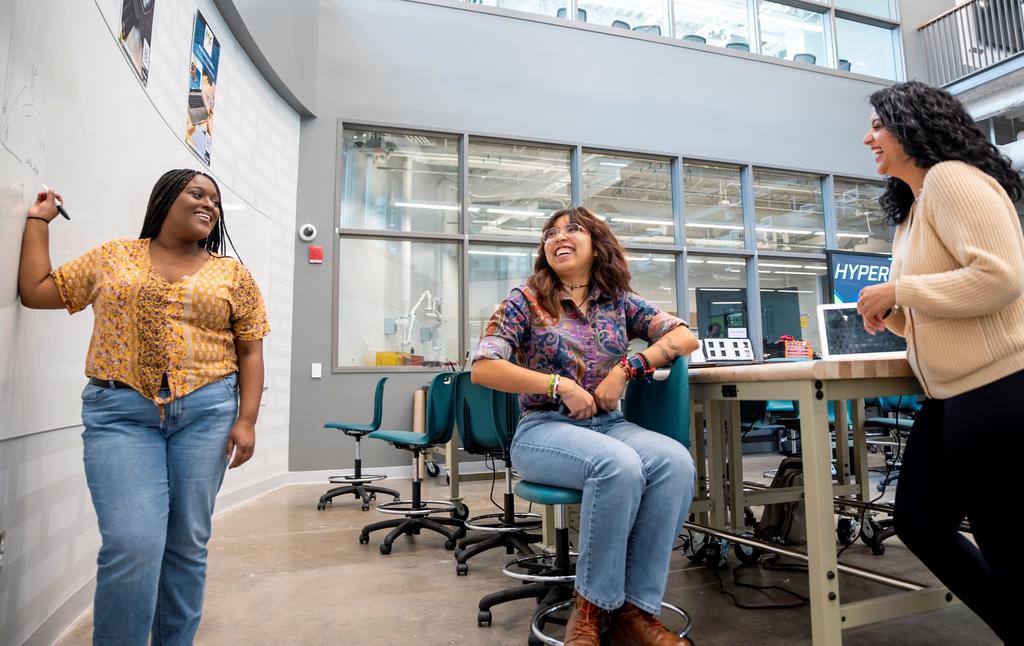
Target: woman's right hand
[[580, 403], [45, 206]]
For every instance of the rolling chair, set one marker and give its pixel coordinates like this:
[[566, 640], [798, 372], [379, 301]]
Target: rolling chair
[[486, 420], [581, 14], [740, 47], [648, 29], [356, 483], [904, 407], [805, 58], [620, 24], [844, 65], [416, 512], [695, 38], [663, 406]]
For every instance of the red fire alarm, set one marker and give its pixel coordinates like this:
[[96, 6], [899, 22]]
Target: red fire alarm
[[316, 255]]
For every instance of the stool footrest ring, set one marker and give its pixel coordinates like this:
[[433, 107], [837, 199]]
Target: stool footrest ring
[[405, 507], [541, 568], [352, 480], [533, 521]]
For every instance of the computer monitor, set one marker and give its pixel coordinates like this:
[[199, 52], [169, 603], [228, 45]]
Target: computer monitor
[[843, 336], [851, 271]]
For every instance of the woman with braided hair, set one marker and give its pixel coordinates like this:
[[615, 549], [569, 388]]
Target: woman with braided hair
[[175, 369]]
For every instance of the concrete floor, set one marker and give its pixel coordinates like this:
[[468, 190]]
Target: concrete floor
[[280, 572]]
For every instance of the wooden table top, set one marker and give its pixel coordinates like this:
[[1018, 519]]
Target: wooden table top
[[803, 370]]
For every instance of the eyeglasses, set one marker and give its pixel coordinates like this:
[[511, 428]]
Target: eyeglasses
[[570, 229]]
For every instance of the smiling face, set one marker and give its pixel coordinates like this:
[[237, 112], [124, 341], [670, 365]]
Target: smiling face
[[195, 212], [890, 158], [569, 253]]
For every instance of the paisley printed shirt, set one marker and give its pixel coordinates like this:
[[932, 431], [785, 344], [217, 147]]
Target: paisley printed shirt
[[146, 327], [583, 347]]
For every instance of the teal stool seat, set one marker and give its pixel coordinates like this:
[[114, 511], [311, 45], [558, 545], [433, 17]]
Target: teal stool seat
[[902, 424], [543, 494], [781, 406], [345, 426], [401, 438]]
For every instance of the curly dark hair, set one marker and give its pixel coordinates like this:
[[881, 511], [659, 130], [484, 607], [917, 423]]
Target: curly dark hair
[[609, 273], [933, 126]]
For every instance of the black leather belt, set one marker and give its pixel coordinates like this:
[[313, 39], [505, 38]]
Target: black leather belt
[[107, 383]]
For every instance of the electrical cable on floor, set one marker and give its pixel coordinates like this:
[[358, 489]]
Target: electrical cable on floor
[[801, 599], [494, 478]]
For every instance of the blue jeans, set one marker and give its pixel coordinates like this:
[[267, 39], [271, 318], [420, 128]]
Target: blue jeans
[[637, 489], [153, 484]]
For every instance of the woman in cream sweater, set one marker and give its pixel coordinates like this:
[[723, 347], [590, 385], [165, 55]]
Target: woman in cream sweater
[[957, 294]]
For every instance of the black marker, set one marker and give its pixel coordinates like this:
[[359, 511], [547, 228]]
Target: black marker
[[60, 207]]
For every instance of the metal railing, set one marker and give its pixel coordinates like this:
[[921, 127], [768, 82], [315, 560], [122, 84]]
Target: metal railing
[[972, 37]]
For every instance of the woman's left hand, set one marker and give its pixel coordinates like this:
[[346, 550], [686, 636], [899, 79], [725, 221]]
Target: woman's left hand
[[874, 301], [610, 390], [243, 441]]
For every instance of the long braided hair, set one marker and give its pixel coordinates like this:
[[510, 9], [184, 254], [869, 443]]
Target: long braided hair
[[165, 191]]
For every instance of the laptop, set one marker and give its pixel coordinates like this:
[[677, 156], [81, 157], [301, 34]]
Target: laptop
[[197, 110], [843, 336]]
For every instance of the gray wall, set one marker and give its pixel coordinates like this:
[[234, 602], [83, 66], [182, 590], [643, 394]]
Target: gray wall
[[433, 67], [281, 40]]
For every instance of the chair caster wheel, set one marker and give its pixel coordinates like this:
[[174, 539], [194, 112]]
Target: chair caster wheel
[[373, 496], [385, 548], [450, 544], [461, 569], [320, 506], [461, 512], [364, 539], [483, 618], [366, 507], [433, 469]]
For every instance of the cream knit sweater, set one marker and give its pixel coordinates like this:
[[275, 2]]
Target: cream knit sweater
[[959, 259]]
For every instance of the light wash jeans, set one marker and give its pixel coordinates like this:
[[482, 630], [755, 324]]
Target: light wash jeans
[[153, 485], [637, 488]]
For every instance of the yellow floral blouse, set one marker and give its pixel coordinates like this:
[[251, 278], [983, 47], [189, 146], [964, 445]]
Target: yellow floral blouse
[[145, 327]]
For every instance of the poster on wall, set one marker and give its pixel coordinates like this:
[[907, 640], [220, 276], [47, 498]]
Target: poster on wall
[[202, 87], [137, 34]]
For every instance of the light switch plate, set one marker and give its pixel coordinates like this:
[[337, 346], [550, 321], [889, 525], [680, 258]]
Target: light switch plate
[[316, 370]]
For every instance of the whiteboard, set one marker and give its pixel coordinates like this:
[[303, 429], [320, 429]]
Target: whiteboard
[[76, 117]]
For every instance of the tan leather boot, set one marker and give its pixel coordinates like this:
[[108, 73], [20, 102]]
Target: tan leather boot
[[632, 626], [584, 625]]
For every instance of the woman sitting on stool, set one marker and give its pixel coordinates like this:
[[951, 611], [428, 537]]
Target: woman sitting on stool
[[569, 329]]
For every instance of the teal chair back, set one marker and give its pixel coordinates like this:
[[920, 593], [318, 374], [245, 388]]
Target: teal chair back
[[440, 420], [486, 418], [662, 406], [378, 404]]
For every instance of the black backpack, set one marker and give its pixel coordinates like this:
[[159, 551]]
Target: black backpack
[[785, 522]]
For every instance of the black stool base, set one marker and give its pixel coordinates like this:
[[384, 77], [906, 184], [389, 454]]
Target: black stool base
[[412, 526], [512, 542], [366, 493]]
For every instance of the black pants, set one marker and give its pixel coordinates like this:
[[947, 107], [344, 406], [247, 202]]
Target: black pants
[[959, 462]]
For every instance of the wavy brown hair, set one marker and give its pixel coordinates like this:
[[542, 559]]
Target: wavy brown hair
[[609, 273]]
